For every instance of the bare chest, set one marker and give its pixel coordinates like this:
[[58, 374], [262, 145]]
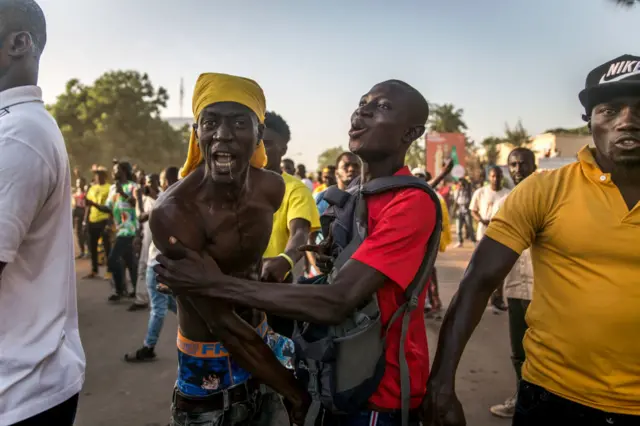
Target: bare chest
[[237, 234]]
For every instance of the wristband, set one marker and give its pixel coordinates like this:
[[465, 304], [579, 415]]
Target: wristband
[[288, 259]]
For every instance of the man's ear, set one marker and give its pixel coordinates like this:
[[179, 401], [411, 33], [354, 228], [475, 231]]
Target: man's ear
[[414, 133], [21, 44], [260, 132]]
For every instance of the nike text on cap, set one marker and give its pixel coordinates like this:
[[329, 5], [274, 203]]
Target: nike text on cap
[[618, 77]]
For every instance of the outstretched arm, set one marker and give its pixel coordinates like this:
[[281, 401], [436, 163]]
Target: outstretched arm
[[443, 174], [239, 338], [389, 253]]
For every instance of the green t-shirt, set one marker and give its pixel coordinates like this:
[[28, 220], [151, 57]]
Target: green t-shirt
[[124, 214]]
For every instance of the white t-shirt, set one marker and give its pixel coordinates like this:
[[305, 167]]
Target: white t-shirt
[[42, 362], [483, 201], [308, 183]]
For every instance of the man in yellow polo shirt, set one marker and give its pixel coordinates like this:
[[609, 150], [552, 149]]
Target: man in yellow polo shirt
[[96, 221], [582, 222], [296, 218]]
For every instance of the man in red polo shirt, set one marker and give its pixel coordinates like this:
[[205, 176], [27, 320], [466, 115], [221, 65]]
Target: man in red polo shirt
[[388, 119]]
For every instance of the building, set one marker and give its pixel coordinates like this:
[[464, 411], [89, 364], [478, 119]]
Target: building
[[179, 122], [559, 145], [552, 150]]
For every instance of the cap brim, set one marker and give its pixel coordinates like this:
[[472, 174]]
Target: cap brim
[[596, 95]]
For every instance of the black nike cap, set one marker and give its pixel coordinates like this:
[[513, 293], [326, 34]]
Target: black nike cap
[[618, 77]]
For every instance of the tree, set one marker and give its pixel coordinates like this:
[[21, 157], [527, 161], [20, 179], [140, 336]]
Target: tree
[[329, 156], [627, 3], [491, 146], [447, 119], [118, 117], [581, 131], [518, 136], [415, 156]]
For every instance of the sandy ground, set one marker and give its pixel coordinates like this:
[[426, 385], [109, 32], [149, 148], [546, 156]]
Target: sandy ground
[[120, 394]]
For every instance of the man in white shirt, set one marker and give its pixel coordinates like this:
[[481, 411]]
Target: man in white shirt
[[484, 199], [42, 362], [482, 210]]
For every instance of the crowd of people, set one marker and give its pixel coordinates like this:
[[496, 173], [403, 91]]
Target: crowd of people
[[304, 303]]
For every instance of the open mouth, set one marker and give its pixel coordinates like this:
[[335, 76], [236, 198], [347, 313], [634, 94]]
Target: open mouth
[[223, 162], [357, 129], [628, 143]]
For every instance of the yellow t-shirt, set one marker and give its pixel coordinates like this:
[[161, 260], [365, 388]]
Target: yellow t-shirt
[[583, 341], [445, 235], [319, 188], [298, 203], [98, 194]]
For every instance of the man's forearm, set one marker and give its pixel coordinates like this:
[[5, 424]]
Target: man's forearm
[[103, 209], [476, 216], [319, 304], [299, 236], [313, 303], [463, 315], [487, 269], [247, 348]]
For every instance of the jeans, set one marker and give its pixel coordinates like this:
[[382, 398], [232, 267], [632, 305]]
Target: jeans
[[97, 230], [517, 328], [160, 303], [81, 232], [266, 410], [142, 292], [463, 220], [123, 251], [536, 406], [61, 415], [369, 418]]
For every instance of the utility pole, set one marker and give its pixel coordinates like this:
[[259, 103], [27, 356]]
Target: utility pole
[[181, 97]]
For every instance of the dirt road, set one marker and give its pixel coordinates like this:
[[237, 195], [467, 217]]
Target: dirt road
[[120, 394]]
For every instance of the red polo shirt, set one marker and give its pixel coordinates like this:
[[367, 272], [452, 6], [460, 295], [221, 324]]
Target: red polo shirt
[[400, 224]]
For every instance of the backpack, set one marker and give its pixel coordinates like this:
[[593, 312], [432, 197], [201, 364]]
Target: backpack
[[342, 365]]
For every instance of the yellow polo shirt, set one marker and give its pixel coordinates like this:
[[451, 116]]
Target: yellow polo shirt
[[298, 203], [98, 194], [583, 342]]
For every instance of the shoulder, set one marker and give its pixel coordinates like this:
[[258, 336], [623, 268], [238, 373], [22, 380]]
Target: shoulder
[[271, 184], [175, 216], [407, 206]]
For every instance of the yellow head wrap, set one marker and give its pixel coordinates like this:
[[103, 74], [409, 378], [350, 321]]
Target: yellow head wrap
[[212, 88]]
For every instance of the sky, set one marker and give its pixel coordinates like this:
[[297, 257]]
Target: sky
[[498, 60]]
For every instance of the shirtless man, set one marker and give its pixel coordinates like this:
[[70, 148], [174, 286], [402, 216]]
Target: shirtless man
[[224, 208], [387, 120]]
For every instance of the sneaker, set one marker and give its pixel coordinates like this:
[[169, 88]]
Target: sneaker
[[498, 305], [506, 410], [141, 355], [136, 307], [91, 276], [458, 245], [114, 298], [107, 276]]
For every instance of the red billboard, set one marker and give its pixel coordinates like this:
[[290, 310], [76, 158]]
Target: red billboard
[[439, 146]]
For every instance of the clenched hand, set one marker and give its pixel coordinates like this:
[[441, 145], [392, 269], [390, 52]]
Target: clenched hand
[[192, 271]]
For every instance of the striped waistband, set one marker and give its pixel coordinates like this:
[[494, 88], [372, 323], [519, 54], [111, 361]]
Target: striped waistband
[[212, 349]]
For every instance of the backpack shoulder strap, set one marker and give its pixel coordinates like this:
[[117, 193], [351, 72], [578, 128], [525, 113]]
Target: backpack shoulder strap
[[390, 183], [420, 280]]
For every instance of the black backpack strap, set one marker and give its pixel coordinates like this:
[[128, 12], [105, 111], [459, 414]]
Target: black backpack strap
[[389, 183], [419, 281], [335, 196]]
